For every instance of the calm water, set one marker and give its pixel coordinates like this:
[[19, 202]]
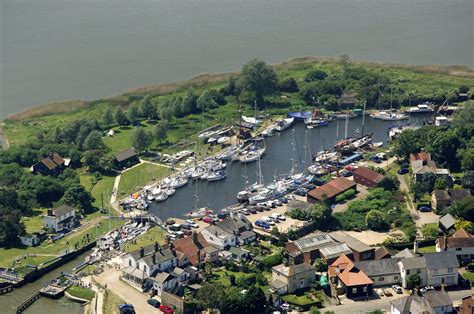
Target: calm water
[[10, 301], [68, 49], [278, 160]]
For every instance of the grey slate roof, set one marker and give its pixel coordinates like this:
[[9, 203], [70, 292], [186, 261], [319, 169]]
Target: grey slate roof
[[447, 221], [164, 255], [403, 304], [406, 253], [353, 243], [383, 266], [247, 234], [313, 242], [234, 225], [413, 263], [292, 270], [125, 154], [63, 209], [441, 260], [438, 298]]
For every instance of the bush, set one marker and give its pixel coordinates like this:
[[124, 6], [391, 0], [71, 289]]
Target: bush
[[375, 220], [345, 196], [288, 85], [272, 260], [315, 75], [297, 213], [429, 231]]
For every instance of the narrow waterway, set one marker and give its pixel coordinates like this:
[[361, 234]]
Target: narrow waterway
[[10, 301], [279, 159]]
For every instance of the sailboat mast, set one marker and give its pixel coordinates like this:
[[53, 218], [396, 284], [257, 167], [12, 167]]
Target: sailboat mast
[[363, 119], [347, 124]]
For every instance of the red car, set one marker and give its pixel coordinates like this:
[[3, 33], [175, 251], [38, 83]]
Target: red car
[[166, 309], [207, 219], [350, 168]]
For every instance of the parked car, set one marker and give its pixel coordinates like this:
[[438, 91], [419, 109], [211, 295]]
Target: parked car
[[350, 168], [259, 208], [187, 232], [403, 171], [375, 159], [154, 302], [285, 306], [208, 219], [126, 308], [379, 292], [284, 200], [278, 202], [424, 209], [192, 223], [387, 293], [262, 224], [166, 309], [300, 192], [245, 211], [175, 227], [397, 289], [252, 210], [186, 226], [268, 221], [427, 288], [282, 217]]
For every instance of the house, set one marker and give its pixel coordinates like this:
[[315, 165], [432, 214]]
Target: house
[[446, 224], [289, 278], [360, 250], [367, 177], [405, 253], [211, 254], [349, 279], [331, 252], [60, 218], [422, 166], [239, 226], [126, 158], [467, 305], [382, 252], [161, 260], [131, 259], [441, 199], [135, 277], [437, 302], [219, 238], [383, 272], [423, 156], [239, 254], [32, 239], [461, 242], [164, 282], [191, 247], [410, 266], [330, 190], [442, 268], [50, 165], [310, 245]]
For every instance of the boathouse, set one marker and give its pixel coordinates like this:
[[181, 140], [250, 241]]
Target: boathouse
[[330, 190]]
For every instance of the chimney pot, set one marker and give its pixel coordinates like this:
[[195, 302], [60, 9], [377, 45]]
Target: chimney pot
[[142, 252]]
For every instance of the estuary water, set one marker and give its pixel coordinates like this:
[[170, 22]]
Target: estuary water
[[287, 150], [53, 50]]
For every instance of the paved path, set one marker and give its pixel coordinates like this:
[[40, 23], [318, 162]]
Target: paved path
[[384, 303], [115, 190]]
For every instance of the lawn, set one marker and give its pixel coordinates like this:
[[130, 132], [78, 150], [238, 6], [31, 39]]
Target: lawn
[[303, 299], [222, 276], [35, 222], [111, 302], [427, 249], [132, 180], [80, 292], [469, 276], [98, 189], [155, 234]]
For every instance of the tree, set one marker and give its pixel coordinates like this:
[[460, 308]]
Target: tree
[[315, 75], [93, 141], [292, 235], [389, 183], [429, 231], [161, 130], [345, 61], [141, 139], [76, 196], [468, 180], [189, 103], [147, 109], [206, 101], [132, 114], [428, 182], [259, 79], [375, 220], [232, 279], [107, 117], [288, 85], [440, 183], [231, 87], [275, 232], [320, 264], [254, 301], [320, 214], [464, 224], [120, 117], [463, 208], [413, 281], [10, 225], [467, 158], [463, 89]]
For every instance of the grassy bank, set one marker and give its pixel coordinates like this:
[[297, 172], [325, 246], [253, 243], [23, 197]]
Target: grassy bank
[[155, 234], [111, 302], [81, 292], [139, 176]]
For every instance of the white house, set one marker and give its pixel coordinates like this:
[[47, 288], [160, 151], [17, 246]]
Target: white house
[[437, 302], [410, 266], [29, 239], [163, 260], [60, 218], [219, 238], [164, 282], [461, 243], [442, 267]]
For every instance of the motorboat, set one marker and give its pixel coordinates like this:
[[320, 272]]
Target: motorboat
[[343, 115], [198, 172], [252, 120], [324, 155], [422, 108], [268, 131], [216, 176], [377, 144], [253, 155], [284, 124], [199, 213], [311, 123], [300, 115], [211, 140], [161, 197], [170, 192], [206, 135], [223, 140], [388, 116], [178, 182]]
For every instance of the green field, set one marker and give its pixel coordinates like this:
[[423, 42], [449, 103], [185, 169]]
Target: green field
[[82, 293], [133, 179], [155, 234]]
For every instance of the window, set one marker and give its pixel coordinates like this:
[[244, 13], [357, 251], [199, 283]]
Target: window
[[381, 279], [129, 262], [459, 249], [354, 290], [395, 277], [408, 272], [435, 271], [225, 241], [364, 289], [450, 270]]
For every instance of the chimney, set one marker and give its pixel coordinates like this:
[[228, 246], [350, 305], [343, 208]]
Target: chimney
[[50, 212], [445, 239], [156, 246], [415, 246], [153, 259], [195, 238], [142, 252]]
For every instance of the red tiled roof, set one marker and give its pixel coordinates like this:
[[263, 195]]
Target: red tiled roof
[[369, 174], [382, 252], [462, 233], [332, 188], [420, 156], [460, 238], [341, 263], [188, 247]]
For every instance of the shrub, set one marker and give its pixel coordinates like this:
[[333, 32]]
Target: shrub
[[470, 266], [375, 220], [315, 75], [288, 85]]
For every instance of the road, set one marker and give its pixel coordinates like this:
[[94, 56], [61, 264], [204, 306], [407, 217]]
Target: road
[[384, 304]]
